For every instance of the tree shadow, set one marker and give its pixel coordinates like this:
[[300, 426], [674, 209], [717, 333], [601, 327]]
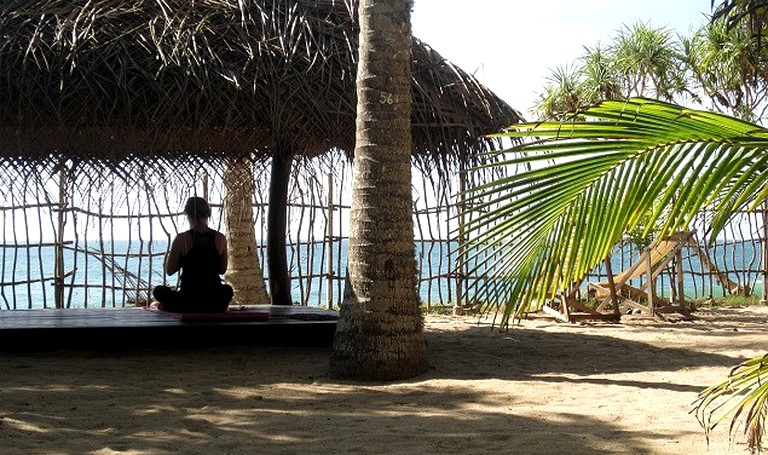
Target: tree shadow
[[524, 353], [263, 402], [271, 399]]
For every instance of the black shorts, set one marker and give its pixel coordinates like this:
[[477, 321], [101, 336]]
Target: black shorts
[[209, 300]]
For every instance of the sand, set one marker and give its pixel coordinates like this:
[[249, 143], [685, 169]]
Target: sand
[[542, 388]]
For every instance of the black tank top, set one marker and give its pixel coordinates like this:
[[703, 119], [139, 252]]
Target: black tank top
[[200, 266]]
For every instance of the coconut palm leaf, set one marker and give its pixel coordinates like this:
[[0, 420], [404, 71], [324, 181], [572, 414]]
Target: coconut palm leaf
[[617, 165], [743, 395]]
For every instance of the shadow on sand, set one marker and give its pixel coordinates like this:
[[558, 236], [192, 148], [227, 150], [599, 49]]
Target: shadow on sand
[[279, 400]]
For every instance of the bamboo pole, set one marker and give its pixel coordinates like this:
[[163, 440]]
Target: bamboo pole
[[205, 184], [40, 253], [651, 284], [339, 252], [764, 296], [679, 276], [27, 250], [459, 308], [329, 238], [111, 244], [15, 262], [611, 286], [59, 254]]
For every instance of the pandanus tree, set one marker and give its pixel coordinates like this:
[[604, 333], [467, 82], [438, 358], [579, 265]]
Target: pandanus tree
[[616, 166], [641, 60], [727, 62]]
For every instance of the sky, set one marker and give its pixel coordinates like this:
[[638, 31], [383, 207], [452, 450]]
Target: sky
[[511, 46]]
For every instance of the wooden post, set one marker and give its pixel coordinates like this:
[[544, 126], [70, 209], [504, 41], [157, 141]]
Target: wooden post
[[612, 286], [650, 284], [458, 308], [764, 294], [329, 238], [205, 185], [58, 262], [680, 279], [673, 283]]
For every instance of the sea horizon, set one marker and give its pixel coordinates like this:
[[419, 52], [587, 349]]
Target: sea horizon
[[111, 274]]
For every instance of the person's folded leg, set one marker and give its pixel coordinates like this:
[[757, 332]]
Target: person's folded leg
[[168, 299]]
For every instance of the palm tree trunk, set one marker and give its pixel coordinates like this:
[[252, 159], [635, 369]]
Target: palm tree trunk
[[243, 271], [379, 335]]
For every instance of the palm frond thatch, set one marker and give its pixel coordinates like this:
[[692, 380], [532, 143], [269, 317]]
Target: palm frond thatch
[[114, 80]]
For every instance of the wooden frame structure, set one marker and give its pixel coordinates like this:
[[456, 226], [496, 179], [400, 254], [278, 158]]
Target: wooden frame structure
[[624, 298], [617, 297]]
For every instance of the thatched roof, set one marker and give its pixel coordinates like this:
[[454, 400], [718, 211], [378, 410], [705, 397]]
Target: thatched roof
[[112, 80]]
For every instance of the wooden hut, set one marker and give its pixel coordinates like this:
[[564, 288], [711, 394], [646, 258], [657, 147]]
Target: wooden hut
[[176, 82]]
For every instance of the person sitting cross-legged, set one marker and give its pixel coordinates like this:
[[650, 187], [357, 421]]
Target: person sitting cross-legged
[[201, 255]]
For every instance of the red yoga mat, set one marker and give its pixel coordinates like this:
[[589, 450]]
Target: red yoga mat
[[227, 315]]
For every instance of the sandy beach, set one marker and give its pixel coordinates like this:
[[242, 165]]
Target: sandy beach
[[542, 388]]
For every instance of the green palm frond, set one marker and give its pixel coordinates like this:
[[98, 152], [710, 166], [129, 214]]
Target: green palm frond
[[617, 165], [742, 396]]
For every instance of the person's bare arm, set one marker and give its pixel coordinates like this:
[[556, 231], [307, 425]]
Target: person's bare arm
[[223, 258], [173, 261]]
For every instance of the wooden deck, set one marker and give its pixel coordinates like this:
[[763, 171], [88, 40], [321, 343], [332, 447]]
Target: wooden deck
[[122, 328]]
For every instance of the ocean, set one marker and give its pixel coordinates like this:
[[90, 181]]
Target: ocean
[[111, 274]]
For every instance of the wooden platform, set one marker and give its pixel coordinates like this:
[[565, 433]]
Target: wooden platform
[[122, 328]]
